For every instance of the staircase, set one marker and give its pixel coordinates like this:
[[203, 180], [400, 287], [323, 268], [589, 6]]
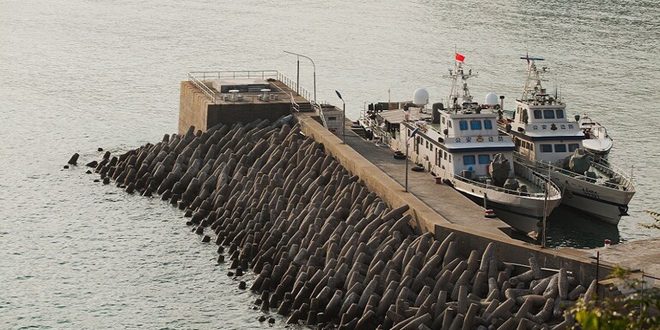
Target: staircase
[[305, 107]]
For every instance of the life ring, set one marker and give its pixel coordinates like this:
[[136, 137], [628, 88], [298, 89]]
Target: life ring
[[480, 139]]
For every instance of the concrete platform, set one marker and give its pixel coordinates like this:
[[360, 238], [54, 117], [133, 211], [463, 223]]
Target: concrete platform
[[642, 255], [212, 99]]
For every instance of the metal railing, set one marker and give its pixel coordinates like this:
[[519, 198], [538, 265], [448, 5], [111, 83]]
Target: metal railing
[[294, 106], [294, 86], [200, 78], [625, 183], [319, 109], [521, 170], [211, 94]]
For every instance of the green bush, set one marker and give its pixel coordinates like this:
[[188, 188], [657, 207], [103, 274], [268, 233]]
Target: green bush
[[638, 308]]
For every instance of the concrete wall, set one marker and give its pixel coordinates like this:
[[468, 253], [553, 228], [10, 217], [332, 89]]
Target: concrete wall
[[229, 113], [193, 105], [515, 251], [375, 179], [428, 220], [197, 110]]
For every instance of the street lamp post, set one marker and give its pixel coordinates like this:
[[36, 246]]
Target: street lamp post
[[343, 119], [407, 141], [298, 71], [410, 136]]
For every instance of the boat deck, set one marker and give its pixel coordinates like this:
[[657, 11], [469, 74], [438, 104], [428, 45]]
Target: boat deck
[[447, 202], [531, 187]]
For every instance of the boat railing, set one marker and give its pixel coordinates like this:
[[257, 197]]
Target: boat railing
[[501, 189], [600, 132], [625, 184], [614, 172], [535, 178]]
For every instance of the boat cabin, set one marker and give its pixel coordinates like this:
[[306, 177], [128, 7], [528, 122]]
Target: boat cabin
[[541, 130], [462, 143]]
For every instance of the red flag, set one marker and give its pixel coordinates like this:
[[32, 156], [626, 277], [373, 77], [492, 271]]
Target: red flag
[[460, 57]]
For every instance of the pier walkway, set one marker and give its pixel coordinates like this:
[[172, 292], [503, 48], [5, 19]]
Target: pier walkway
[[450, 204]]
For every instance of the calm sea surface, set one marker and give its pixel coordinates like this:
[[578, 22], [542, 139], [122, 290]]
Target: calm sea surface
[[77, 75]]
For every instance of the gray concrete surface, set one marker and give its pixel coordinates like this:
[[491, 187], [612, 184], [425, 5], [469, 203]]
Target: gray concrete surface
[[446, 201]]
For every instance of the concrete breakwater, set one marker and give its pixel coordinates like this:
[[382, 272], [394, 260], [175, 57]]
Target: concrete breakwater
[[327, 251]]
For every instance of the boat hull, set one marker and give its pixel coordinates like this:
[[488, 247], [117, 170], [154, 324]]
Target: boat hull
[[523, 213], [606, 211], [605, 204]]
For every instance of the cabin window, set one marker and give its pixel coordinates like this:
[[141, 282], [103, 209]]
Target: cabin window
[[570, 126], [549, 114], [560, 114], [468, 160], [538, 114], [484, 159], [332, 118], [546, 148], [560, 147], [450, 158], [488, 124], [518, 142], [463, 125], [444, 155], [573, 146], [475, 125], [443, 120], [431, 147], [449, 123]]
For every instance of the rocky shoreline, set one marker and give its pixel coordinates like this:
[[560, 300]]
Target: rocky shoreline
[[326, 251]]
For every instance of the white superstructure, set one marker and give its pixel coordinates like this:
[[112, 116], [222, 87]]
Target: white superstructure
[[546, 138], [461, 146]]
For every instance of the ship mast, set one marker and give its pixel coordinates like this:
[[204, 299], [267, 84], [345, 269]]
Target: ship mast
[[459, 93], [533, 88]]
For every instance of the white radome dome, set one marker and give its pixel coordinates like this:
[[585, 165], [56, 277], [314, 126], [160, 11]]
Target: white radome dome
[[421, 97], [491, 99]]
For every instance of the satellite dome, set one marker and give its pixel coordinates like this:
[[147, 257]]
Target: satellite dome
[[421, 97], [491, 99]]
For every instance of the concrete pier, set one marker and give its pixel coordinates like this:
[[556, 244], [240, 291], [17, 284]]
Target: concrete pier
[[471, 230], [435, 208]]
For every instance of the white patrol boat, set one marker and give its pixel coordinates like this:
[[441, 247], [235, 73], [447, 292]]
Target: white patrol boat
[[546, 139], [462, 147], [596, 141]]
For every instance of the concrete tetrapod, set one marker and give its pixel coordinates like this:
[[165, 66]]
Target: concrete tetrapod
[[326, 250]]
